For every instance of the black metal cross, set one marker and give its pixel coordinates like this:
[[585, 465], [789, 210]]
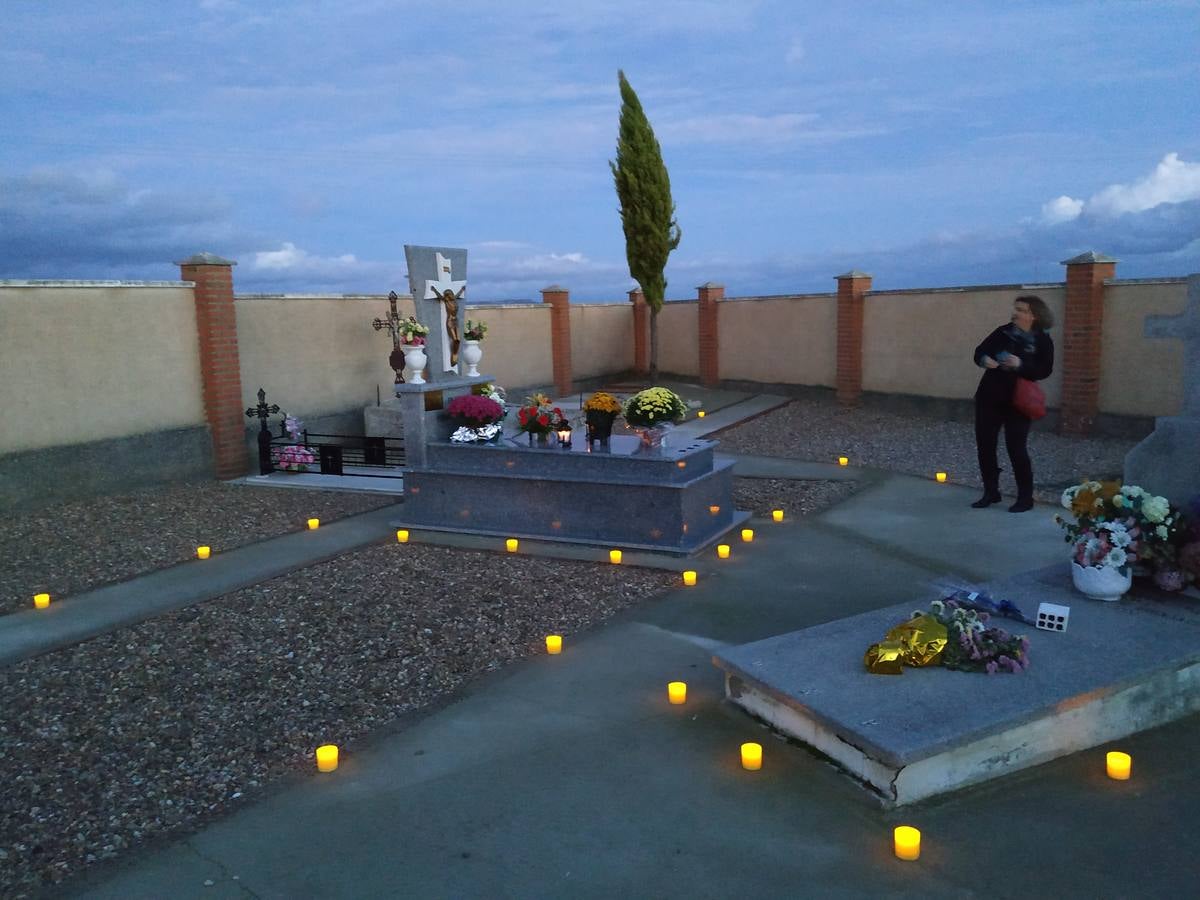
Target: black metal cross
[[263, 411]]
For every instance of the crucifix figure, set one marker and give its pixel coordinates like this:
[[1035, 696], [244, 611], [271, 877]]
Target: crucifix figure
[[448, 291]]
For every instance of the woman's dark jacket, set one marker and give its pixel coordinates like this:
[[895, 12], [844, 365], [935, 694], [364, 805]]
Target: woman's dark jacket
[[1035, 349]]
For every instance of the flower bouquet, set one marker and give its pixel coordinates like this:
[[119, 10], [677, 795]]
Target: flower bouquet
[[478, 418], [972, 645], [294, 457], [474, 331], [652, 412], [412, 332], [537, 417], [600, 410]]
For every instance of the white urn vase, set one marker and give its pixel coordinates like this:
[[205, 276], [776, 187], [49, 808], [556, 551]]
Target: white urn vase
[[1101, 582], [415, 362], [471, 354]]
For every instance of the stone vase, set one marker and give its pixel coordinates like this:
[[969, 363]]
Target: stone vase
[[471, 353], [415, 362], [1101, 582]]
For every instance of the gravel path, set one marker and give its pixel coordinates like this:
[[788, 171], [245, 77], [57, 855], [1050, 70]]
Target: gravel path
[[69, 548], [811, 430]]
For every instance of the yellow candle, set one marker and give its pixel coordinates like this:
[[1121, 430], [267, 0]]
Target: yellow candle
[[327, 757], [402, 535], [677, 692], [843, 460], [554, 644], [700, 414], [314, 524], [723, 551], [614, 557], [714, 509], [747, 534], [941, 477], [908, 842], [752, 756], [203, 552], [511, 545], [1119, 765], [689, 577], [41, 601], [777, 515]]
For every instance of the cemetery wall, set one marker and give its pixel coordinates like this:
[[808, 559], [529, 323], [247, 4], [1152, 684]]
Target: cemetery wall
[[779, 340], [517, 351], [601, 339], [923, 342], [1140, 375], [677, 326]]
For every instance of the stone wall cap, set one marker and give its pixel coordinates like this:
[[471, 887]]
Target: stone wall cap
[[554, 289], [1090, 257], [206, 259], [853, 273], [75, 283], [709, 285]]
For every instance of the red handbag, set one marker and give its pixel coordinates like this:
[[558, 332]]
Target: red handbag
[[1028, 399]]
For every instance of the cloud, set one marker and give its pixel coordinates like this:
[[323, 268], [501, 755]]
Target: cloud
[[291, 258], [1172, 181]]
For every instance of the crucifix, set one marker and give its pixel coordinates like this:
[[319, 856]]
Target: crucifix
[[448, 292], [392, 324]]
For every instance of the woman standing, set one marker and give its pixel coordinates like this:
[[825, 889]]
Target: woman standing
[[1020, 349]]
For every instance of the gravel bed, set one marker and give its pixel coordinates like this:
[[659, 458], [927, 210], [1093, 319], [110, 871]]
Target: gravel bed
[[811, 430], [795, 498], [70, 548]]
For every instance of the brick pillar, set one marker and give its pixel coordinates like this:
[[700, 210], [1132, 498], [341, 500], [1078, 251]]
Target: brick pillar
[[852, 286], [641, 332], [559, 299], [1083, 330], [220, 367], [710, 344]]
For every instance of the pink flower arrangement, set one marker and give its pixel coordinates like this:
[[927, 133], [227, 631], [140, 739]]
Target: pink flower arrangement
[[475, 411]]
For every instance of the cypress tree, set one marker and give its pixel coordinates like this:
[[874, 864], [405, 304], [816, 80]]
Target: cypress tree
[[647, 211]]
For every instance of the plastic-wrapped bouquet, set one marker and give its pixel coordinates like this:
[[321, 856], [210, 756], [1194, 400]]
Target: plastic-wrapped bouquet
[[479, 418], [973, 645], [294, 457]]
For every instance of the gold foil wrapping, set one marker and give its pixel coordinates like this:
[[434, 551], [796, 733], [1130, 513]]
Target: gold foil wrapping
[[917, 642]]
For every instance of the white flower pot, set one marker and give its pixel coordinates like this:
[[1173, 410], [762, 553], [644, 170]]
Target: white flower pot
[[471, 354], [1101, 582], [415, 362]]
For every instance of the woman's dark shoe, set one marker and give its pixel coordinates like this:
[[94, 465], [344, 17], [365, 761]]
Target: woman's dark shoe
[[985, 501], [1021, 506]]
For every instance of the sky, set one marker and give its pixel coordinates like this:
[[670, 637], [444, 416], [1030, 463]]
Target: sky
[[929, 143]]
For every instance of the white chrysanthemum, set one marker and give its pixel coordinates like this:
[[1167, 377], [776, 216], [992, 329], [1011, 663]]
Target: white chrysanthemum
[[1068, 496], [1132, 491], [1116, 558], [1118, 501], [1161, 531], [1155, 508], [1092, 547], [1121, 539]]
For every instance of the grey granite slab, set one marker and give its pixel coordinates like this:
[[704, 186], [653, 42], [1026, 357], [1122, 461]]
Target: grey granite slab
[[903, 719]]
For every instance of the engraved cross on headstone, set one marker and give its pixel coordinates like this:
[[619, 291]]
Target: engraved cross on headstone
[[1186, 326]]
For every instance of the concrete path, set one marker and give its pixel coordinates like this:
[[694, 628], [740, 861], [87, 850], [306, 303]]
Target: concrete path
[[572, 776]]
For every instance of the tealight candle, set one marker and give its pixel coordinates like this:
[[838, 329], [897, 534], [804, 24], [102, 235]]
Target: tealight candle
[[723, 551], [907, 842], [700, 414], [1119, 765], [554, 644], [203, 552], [843, 460], [777, 515], [511, 545], [327, 757], [714, 509], [677, 692], [941, 477], [689, 577], [751, 756], [402, 535], [314, 524], [614, 557], [41, 601], [747, 534]]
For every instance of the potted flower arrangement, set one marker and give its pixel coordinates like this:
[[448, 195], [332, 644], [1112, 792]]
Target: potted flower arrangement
[[472, 353], [294, 457], [652, 412], [1117, 527], [412, 344], [537, 417], [600, 410], [478, 418]]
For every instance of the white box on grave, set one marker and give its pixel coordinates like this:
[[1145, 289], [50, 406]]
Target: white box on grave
[[1053, 617]]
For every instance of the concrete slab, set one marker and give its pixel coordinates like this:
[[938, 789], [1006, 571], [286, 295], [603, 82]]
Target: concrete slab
[[1119, 669], [357, 480]]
